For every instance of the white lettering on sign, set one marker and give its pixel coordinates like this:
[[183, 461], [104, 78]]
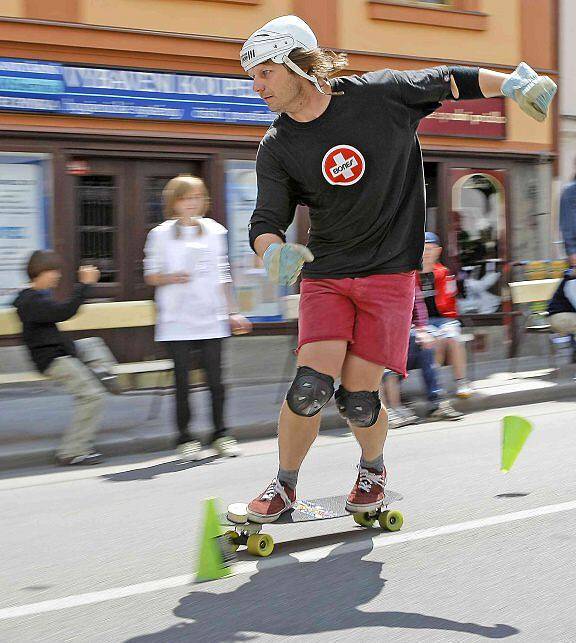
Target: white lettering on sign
[[157, 83]]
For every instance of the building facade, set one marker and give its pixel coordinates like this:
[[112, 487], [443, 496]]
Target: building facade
[[102, 101]]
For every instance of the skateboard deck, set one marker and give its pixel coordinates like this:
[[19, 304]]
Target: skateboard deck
[[317, 509], [242, 531]]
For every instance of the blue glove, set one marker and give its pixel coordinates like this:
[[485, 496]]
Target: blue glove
[[284, 261], [532, 92]]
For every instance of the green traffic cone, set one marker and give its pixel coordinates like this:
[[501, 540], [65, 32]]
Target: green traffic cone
[[515, 432], [216, 555]]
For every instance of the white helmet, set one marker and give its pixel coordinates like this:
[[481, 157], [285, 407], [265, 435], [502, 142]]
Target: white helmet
[[275, 40]]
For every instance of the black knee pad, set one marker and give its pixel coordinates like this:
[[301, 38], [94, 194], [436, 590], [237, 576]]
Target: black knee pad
[[309, 392], [360, 408]]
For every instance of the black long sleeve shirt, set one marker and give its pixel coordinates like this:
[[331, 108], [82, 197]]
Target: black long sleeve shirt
[[358, 167], [39, 313]]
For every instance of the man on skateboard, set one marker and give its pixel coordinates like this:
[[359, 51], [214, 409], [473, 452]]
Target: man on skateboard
[[347, 148]]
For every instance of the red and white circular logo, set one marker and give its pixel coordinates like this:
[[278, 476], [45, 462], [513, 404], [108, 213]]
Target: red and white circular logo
[[343, 165]]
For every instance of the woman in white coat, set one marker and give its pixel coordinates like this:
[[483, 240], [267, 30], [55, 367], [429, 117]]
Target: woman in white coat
[[186, 260]]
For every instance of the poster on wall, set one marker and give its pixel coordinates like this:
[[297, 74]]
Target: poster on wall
[[23, 217], [257, 297]]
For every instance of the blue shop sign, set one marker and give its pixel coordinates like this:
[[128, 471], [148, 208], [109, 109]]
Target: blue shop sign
[[40, 86]]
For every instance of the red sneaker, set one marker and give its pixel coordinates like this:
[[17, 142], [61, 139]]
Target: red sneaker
[[368, 492], [271, 503]]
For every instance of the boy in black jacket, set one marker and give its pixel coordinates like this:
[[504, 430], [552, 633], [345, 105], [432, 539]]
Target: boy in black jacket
[[54, 354]]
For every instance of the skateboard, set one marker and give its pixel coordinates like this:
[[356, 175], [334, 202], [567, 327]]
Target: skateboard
[[248, 533]]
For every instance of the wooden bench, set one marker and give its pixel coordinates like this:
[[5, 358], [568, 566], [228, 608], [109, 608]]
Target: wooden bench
[[533, 292], [136, 377]]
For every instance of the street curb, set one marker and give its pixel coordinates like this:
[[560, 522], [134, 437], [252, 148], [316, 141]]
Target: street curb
[[33, 454]]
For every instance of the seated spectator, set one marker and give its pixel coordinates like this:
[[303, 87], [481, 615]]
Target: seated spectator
[[562, 306], [420, 355], [439, 290], [54, 354]]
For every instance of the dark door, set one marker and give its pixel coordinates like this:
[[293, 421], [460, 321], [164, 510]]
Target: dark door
[[117, 202]]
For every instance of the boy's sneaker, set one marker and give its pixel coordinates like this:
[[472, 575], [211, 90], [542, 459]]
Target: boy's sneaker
[[190, 451], [368, 492], [227, 447], [271, 503], [401, 416], [80, 460], [464, 388], [445, 411]]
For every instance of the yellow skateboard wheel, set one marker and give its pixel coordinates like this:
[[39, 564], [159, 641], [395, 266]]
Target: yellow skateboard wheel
[[260, 545], [364, 519], [391, 520], [233, 540]]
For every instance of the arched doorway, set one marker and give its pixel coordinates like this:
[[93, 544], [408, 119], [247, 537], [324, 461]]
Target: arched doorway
[[477, 239]]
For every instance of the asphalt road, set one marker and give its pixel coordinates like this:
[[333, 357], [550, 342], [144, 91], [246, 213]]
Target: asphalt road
[[108, 553]]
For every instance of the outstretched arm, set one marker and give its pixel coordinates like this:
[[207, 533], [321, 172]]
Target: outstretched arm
[[490, 83], [532, 92]]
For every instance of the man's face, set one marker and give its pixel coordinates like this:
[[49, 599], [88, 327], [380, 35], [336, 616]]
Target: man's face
[[280, 89]]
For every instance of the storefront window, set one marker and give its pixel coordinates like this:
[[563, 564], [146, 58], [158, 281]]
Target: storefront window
[[257, 297], [477, 226], [24, 216]]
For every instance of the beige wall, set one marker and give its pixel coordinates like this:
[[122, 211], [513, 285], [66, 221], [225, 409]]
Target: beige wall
[[12, 8], [500, 43], [183, 16]]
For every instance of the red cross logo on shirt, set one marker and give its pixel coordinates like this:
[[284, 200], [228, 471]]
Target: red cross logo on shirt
[[343, 165]]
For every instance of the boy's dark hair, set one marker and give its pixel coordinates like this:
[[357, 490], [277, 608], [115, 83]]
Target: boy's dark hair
[[42, 260]]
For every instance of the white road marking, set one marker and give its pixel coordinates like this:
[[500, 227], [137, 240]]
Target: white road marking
[[379, 541]]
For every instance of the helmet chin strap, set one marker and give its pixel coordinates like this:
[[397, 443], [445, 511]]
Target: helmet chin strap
[[297, 70]]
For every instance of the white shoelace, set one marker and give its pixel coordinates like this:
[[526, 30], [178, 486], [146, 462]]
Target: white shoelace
[[367, 479], [275, 487]]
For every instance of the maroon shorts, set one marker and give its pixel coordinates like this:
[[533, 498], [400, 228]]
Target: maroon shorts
[[373, 314]]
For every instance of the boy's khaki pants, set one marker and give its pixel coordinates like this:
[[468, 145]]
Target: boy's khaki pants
[[88, 396]]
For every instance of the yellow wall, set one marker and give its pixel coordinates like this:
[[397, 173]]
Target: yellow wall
[[500, 43], [12, 8], [522, 128], [184, 16]]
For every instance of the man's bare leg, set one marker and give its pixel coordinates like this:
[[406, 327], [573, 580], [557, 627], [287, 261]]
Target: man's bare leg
[[367, 494], [361, 375], [296, 433]]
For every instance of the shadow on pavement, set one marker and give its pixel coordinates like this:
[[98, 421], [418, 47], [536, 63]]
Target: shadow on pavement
[[149, 473], [304, 599]]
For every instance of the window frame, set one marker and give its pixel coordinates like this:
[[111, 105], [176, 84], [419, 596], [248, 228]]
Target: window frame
[[459, 14]]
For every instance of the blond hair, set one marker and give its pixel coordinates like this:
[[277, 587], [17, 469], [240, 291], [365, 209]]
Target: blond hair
[[179, 188], [318, 62]]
